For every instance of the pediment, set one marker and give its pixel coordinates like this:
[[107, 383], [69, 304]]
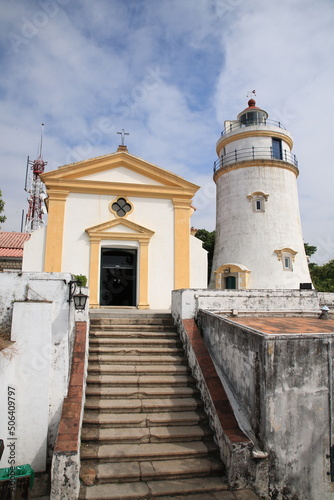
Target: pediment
[[120, 168], [119, 229]]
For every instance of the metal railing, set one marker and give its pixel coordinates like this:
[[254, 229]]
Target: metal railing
[[255, 153], [237, 125]]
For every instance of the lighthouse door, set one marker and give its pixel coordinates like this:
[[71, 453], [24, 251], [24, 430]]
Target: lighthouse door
[[231, 282], [118, 277]]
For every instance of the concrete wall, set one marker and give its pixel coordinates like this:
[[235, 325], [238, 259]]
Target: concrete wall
[[186, 303], [281, 384], [35, 311]]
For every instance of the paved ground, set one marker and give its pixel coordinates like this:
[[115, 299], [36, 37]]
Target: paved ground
[[224, 495], [287, 325]]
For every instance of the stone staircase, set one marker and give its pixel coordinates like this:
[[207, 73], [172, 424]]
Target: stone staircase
[[145, 433]]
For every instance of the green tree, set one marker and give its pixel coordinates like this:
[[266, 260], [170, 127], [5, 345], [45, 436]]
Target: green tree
[[309, 249], [323, 276], [2, 207], [208, 239]]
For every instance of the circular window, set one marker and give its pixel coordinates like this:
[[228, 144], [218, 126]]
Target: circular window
[[121, 207]]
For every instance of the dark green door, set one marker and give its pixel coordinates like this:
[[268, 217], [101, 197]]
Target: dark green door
[[118, 277], [231, 282]]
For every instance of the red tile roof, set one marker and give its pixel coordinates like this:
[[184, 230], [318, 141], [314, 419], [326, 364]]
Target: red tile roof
[[11, 244]]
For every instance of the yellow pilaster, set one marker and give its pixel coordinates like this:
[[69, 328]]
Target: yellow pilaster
[[55, 231], [182, 214], [94, 271], [143, 275]]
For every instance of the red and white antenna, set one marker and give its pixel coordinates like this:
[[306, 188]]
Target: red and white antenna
[[36, 189]]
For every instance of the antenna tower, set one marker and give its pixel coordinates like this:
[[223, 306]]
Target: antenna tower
[[36, 189]]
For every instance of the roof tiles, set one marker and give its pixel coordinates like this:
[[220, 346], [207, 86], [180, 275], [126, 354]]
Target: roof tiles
[[11, 244]]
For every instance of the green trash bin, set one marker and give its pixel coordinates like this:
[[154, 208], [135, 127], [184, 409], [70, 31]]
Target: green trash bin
[[16, 482]]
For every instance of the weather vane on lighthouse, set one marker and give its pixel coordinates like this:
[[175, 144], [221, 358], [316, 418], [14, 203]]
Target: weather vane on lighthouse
[[251, 93]]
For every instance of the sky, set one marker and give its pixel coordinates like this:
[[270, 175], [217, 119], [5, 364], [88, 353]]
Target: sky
[[169, 72]]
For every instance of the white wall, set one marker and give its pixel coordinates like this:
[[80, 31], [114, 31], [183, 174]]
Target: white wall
[[28, 372], [249, 238], [34, 308], [34, 251], [198, 263]]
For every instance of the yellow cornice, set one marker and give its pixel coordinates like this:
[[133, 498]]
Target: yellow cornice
[[182, 203], [120, 188], [92, 166], [255, 163], [226, 139], [100, 232], [57, 194]]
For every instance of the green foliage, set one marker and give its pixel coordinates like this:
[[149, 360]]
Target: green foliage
[[2, 207], [208, 239], [80, 279], [323, 276], [309, 249]]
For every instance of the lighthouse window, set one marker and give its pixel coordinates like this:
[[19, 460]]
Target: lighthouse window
[[258, 199], [287, 257], [258, 204], [277, 149]]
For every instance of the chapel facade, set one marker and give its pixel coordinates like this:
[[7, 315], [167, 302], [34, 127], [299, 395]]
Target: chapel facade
[[125, 224]]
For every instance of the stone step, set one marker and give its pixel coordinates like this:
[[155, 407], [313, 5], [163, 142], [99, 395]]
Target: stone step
[[146, 451], [136, 359], [168, 321], [140, 329], [140, 392], [140, 490], [120, 350], [142, 405], [145, 471], [134, 342], [132, 334], [123, 369], [97, 418], [139, 380], [147, 435], [129, 315]]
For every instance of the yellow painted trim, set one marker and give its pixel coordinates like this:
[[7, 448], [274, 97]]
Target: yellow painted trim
[[55, 231], [257, 193], [227, 139], [279, 253], [182, 213], [119, 188], [94, 274], [143, 276], [75, 171], [100, 232], [255, 163], [241, 272]]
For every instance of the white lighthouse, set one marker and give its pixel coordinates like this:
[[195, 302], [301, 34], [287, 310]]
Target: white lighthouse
[[259, 243]]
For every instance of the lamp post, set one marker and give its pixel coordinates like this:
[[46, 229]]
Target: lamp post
[[79, 299]]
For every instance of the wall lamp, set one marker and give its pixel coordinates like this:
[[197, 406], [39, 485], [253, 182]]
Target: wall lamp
[[79, 299]]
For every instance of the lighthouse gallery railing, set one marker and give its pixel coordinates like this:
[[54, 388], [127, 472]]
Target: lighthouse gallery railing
[[255, 153]]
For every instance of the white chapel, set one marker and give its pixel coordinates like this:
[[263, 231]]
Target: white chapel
[[125, 224]]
